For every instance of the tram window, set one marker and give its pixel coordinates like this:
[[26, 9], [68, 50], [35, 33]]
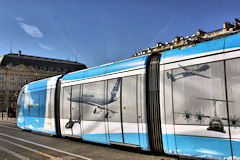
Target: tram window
[[29, 104], [233, 86], [33, 104], [65, 106], [42, 103], [75, 102], [195, 90], [94, 92], [129, 108], [168, 98], [114, 107], [21, 105], [51, 114], [50, 104], [141, 100], [26, 104]]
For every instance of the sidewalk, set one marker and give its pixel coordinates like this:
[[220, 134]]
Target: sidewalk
[[3, 117]]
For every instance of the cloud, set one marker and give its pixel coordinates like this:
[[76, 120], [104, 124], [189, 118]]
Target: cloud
[[158, 35], [46, 47], [234, 157], [20, 119], [19, 19], [31, 30], [29, 126], [206, 151], [30, 101]]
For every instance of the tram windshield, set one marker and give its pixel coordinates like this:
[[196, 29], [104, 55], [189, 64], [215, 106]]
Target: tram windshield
[[19, 100]]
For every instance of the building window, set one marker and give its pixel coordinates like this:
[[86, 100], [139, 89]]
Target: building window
[[12, 99], [12, 88], [1, 76], [1, 101], [2, 87], [11, 77], [20, 78]]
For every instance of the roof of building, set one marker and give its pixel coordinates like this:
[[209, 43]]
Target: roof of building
[[40, 63], [201, 36]]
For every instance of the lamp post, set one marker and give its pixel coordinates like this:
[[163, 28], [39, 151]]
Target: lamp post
[[2, 103]]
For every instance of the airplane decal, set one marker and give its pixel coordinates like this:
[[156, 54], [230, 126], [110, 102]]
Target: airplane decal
[[96, 111], [188, 72], [114, 91], [96, 102], [215, 122], [188, 116]]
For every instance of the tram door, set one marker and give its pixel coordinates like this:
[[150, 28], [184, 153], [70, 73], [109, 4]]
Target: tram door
[[65, 111], [114, 111], [76, 110], [129, 110], [122, 113]]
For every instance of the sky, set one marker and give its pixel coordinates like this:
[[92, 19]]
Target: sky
[[95, 32]]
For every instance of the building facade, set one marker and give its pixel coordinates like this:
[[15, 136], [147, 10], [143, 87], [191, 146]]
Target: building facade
[[16, 70]]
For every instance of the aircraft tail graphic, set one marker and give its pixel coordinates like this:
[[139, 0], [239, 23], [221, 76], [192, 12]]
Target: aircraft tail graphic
[[115, 90]]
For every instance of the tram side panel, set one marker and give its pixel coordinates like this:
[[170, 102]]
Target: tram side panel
[[129, 110], [82, 111], [37, 106], [127, 122], [76, 110], [232, 65], [196, 106], [198, 96], [37, 111], [94, 117], [111, 110], [233, 88], [114, 115], [168, 136], [65, 110], [142, 110], [49, 119]]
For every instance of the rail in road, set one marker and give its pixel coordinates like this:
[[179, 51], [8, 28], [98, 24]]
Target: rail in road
[[18, 144]]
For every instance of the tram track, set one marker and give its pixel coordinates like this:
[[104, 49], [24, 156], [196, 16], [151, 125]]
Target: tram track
[[40, 145], [32, 147], [13, 153], [18, 144]]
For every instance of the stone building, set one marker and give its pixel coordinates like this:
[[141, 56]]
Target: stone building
[[16, 70]]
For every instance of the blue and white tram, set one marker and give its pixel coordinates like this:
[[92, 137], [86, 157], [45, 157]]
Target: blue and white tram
[[182, 102]]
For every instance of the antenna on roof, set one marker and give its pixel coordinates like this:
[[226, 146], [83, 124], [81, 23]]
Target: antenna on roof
[[11, 46], [76, 55]]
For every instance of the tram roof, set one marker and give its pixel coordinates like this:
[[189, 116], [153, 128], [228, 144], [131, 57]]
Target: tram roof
[[222, 44], [42, 84], [127, 64]]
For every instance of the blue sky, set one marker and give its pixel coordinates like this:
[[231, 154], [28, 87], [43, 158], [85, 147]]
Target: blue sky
[[101, 31]]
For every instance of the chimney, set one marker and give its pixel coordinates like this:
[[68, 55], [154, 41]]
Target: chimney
[[19, 53], [177, 39]]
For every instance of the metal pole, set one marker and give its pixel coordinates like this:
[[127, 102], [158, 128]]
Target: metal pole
[[2, 110], [7, 111]]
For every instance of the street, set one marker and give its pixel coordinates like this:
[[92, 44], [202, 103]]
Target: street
[[18, 144]]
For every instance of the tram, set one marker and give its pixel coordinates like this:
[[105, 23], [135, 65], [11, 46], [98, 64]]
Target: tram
[[184, 101]]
